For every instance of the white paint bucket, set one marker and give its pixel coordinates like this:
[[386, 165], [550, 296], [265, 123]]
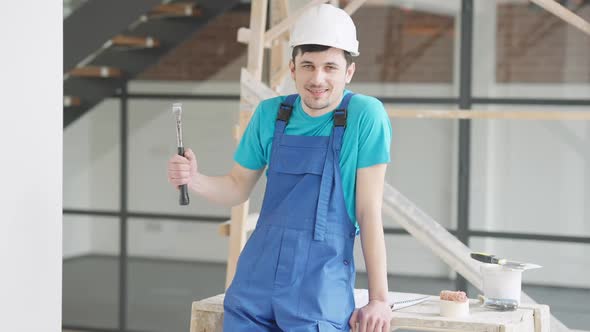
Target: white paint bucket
[[500, 282]]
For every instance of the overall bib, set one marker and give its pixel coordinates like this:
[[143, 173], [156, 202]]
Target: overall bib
[[296, 272]]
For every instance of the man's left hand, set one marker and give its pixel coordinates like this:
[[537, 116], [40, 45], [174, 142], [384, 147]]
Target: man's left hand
[[374, 317]]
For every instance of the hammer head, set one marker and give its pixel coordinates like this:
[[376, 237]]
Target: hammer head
[[177, 110]]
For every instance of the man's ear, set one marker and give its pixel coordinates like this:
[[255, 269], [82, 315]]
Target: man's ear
[[292, 68], [350, 72]]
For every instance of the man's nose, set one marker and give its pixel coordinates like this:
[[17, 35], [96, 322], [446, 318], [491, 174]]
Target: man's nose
[[318, 76]]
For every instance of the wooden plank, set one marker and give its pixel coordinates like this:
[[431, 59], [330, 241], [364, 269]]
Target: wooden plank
[[134, 41], [96, 72], [207, 315], [425, 229], [238, 226], [395, 112], [244, 35], [425, 317], [237, 239], [279, 11], [278, 78], [542, 315], [542, 319], [252, 92], [176, 9], [352, 6], [278, 55], [256, 44], [224, 229], [72, 101], [565, 14]]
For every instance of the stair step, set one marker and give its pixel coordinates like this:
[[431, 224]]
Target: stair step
[[96, 72], [182, 9], [134, 42], [72, 101]]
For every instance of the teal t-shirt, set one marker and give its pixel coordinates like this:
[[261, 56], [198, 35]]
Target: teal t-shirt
[[366, 140]]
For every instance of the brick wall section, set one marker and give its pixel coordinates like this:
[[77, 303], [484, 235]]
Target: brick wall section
[[406, 46], [403, 46], [534, 46], [210, 49]]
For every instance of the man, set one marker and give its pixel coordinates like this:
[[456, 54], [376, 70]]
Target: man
[[326, 152]]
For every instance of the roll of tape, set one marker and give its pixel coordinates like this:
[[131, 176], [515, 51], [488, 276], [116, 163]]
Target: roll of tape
[[454, 309]]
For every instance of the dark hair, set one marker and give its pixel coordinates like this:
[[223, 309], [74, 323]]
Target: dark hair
[[317, 48]]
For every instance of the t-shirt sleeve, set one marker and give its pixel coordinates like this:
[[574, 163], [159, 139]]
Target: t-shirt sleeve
[[374, 135], [250, 153]]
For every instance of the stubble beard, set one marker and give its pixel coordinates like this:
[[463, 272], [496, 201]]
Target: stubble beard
[[316, 105]]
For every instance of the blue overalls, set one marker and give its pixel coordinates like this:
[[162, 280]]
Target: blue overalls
[[296, 272]]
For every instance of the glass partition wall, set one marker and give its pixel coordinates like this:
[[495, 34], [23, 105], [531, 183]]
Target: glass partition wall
[[134, 259]]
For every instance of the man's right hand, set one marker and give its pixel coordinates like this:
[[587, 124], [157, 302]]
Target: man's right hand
[[227, 190], [182, 170]]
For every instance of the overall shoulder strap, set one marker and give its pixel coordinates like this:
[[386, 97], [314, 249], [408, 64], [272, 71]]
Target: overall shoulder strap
[[340, 121], [284, 114], [340, 112]]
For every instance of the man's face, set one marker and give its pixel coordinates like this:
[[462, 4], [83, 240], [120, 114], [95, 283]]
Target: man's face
[[320, 78]]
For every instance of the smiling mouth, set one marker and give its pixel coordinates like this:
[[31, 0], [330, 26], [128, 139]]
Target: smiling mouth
[[317, 92]]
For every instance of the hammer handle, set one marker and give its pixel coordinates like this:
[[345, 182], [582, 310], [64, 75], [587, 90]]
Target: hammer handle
[[183, 199]]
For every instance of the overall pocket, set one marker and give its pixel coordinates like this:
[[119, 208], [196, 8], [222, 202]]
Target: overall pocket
[[327, 292]]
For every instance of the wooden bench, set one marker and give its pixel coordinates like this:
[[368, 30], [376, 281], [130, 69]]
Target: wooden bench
[[207, 316]]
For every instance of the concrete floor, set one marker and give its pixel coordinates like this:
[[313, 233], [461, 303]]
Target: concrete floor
[[160, 293]]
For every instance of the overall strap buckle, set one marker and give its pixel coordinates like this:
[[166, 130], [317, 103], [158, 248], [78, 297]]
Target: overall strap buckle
[[340, 113], [286, 108], [340, 118]]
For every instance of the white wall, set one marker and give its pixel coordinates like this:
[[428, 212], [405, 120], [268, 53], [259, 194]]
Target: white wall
[[31, 167], [91, 177], [533, 178]]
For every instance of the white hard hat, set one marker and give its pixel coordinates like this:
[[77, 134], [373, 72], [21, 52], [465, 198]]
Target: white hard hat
[[325, 25]]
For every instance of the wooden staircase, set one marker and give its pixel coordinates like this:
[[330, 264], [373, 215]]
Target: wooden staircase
[[109, 42]]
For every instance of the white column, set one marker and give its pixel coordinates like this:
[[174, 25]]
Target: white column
[[31, 166]]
